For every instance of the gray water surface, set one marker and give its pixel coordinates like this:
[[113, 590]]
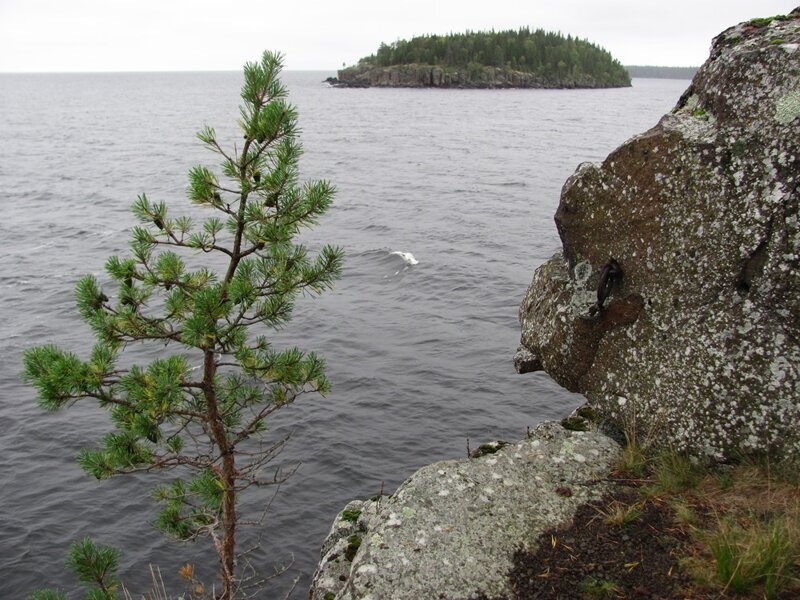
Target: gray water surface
[[419, 355]]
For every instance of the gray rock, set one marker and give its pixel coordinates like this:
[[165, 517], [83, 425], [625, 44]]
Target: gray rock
[[367, 74], [450, 531], [526, 361], [698, 345]]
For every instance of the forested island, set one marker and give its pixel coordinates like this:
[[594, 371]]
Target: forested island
[[521, 58]]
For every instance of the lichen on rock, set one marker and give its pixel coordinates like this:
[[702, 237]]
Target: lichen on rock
[[451, 530], [699, 345]]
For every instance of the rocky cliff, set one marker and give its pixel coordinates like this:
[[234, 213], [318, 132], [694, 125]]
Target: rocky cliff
[[696, 343], [413, 75]]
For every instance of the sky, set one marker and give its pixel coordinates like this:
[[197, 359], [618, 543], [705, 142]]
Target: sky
[[210, 35]]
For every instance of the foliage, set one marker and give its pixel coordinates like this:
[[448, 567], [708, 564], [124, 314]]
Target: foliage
[[765, 21], [96, 565], [675, 472], [598, 588], [201, 412], [351, 516], [746, 558], [547, 54], [633, 461], [743, 520], [620, 514], [48, 595]]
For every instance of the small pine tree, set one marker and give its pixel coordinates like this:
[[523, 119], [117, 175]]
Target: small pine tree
[[205, 422], [95, 565]]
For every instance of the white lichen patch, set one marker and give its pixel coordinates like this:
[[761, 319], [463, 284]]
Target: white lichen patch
[[367, 569], [787, 108], [408, 512]]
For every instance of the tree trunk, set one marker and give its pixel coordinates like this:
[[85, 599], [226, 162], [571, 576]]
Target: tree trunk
[[227, 474], [229, 528]]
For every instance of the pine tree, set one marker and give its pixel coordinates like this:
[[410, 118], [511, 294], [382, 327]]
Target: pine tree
[[201, 411]]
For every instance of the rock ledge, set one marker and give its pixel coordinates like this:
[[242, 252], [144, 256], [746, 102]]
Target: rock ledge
[[450, 531]]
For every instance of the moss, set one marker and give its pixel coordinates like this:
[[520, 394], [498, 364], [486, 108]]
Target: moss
[[575, 424], [588, 413], [733, 40], [764, 21], [329, 596], [351, 516], [488, 448], [777, 41], [353, 544], [598, 588]]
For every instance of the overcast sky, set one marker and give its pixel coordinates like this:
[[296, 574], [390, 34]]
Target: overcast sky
[[167, 35]]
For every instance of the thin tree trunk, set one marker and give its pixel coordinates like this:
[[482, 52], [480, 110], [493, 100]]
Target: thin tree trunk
[[227, 550]]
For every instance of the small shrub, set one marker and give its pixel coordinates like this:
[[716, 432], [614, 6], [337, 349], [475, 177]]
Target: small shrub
[[674, 472], [620, 514], [94, 565], [598, 588], [747, 558], [632, 461]]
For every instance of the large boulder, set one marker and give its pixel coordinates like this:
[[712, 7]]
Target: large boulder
[[451, 530], [697, 346]]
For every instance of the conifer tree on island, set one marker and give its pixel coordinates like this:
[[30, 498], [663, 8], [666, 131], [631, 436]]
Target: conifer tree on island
[[201, 412]]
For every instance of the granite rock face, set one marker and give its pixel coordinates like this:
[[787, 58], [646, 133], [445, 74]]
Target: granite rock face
[[418, 75], [451, 530], [698, 344]]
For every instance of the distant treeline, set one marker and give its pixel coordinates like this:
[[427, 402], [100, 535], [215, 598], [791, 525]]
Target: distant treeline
[[662, 72], [546, 54]]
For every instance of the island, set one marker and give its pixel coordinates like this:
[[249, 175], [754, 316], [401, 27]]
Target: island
[[521, 58]]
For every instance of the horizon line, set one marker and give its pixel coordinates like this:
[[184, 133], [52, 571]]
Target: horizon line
[[310, 70]]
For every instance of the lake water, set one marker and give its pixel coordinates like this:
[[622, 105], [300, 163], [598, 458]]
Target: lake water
[[419, 355]]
